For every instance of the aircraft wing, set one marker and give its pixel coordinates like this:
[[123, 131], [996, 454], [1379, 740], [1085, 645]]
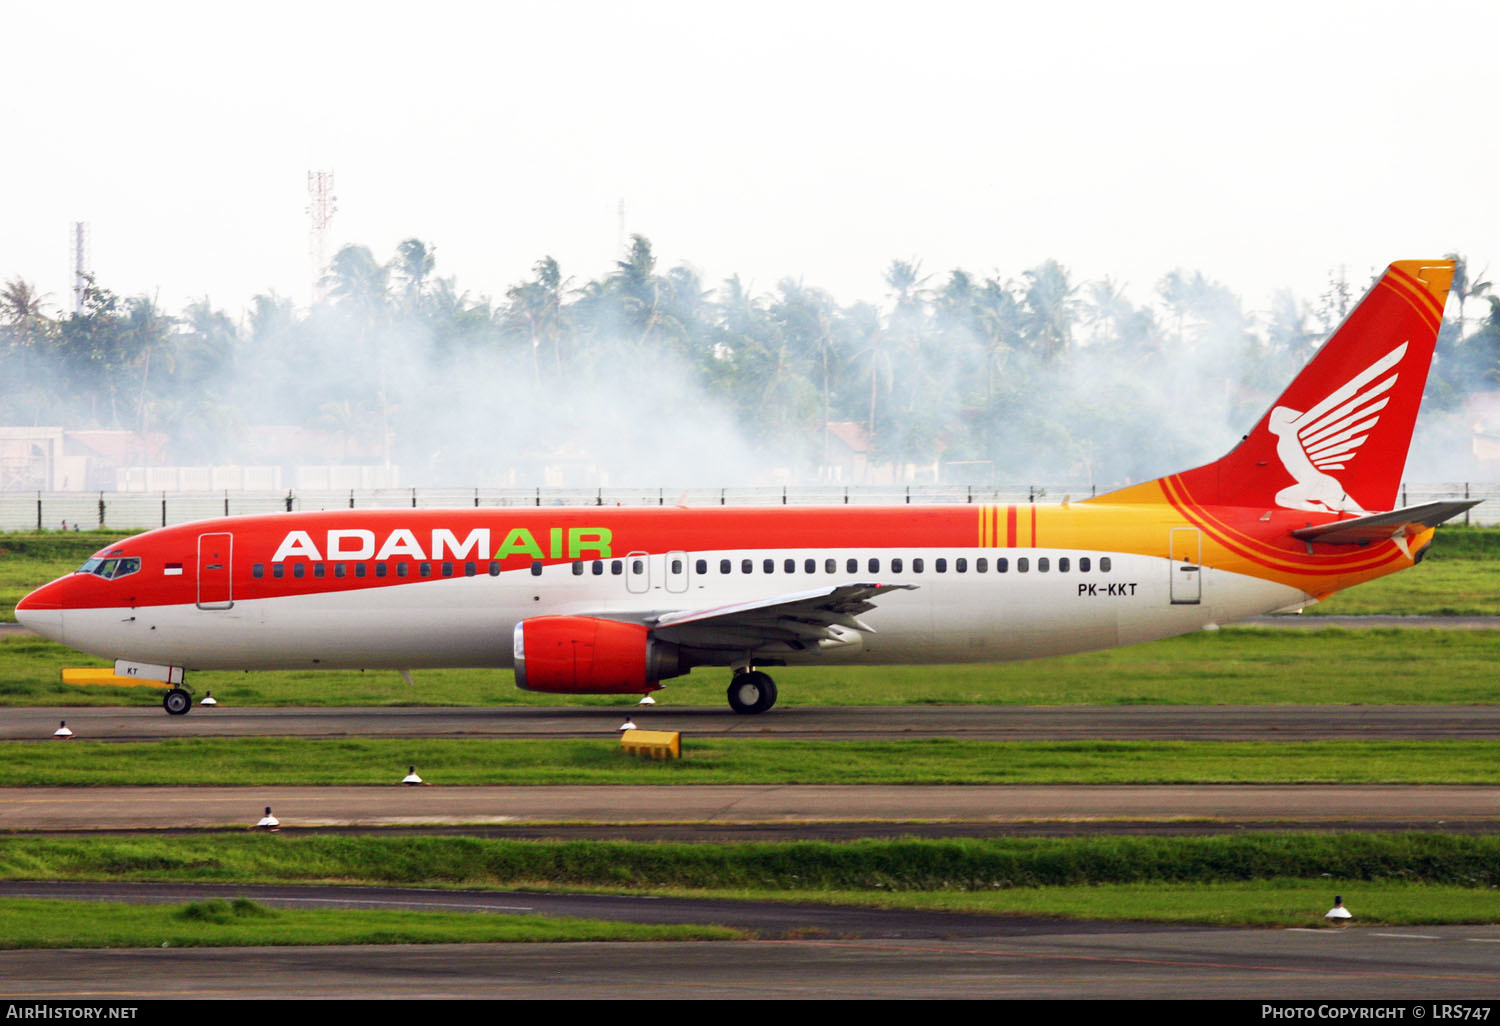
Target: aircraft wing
[[826, 615], [1378, 527]]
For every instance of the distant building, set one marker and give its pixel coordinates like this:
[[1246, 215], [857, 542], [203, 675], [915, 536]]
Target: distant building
[[52, 459]]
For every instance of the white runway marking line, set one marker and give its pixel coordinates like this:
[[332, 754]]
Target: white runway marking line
[[1410, 936]]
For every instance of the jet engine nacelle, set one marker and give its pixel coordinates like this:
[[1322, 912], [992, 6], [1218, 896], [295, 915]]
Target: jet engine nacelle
[[585, 655]]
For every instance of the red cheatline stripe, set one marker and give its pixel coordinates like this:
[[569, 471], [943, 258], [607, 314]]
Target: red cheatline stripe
[[1010, 526], [1271, 558]]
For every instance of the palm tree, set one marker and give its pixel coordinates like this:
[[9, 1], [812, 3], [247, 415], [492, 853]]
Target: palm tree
[[20, 305], [357, 282], [1048, 304], [413, 265], [1464, 287], [637, 288]]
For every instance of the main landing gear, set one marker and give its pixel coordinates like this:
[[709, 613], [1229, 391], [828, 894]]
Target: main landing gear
[[177, 702], [751, 692]]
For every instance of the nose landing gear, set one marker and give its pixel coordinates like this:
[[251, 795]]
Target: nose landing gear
[[177, 702]]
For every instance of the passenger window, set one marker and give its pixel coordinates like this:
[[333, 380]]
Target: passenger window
[[981, 565], [916, 566], [299, 569], [278, 570], [874, 566], [339, 569], [701, 566], [768, 565], [447, 568], [577, 568], [598, 568], [789, 566], [1002, 565], [469, 569], [381, 569], [403, 569], [1022, 565], [676, 566], [852, 567], [1062, 565], [494, 568], [1083, 564], [810, 566], [1043, 565], [747, 567], [896, 565], [425, 569], [616, 567], [941, 566], [725, 566], [536, 568], [1104, 564], [319, 570], [637, 566], [961, 565], [830, 566]]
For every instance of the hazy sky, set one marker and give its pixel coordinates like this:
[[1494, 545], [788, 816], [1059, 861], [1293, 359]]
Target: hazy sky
[[1260, 143]]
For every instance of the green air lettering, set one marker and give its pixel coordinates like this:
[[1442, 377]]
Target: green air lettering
[[554, 535], [519, 542], [593, 540]]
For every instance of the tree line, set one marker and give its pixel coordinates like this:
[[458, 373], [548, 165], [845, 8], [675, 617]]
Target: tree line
[[952, 368]]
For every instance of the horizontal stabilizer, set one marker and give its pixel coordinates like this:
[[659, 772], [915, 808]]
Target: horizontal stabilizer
[[1378, 527]]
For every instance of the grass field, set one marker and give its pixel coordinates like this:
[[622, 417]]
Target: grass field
[[383, 761], [45, 923], [1235, 666], [1280, 880]]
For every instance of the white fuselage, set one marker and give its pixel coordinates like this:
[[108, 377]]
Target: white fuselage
[[948, 617]]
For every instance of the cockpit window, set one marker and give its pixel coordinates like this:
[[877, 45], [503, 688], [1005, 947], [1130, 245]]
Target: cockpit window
[[110, 568]]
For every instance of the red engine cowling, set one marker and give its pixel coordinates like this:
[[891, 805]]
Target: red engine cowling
[[584, 655]]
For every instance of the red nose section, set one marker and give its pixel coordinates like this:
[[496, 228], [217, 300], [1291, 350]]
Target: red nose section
[[42, 610], [48, 596]]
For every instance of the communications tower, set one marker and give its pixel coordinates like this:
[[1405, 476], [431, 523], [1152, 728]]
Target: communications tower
[[321, 206], [80, 241]]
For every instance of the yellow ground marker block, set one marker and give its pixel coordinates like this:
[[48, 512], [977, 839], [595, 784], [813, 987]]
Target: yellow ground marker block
[[106, 675], [652, 744]]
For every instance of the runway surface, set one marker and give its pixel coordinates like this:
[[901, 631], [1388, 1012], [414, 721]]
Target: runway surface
[[1053, 960], [972, 722]]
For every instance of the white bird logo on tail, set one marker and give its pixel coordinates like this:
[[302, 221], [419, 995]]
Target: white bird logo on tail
[[1328, 436]]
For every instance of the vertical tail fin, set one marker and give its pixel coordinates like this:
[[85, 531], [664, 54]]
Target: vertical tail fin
[[1336, 440]]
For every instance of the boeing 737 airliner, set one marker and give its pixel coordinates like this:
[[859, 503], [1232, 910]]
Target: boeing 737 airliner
[[614, 601]]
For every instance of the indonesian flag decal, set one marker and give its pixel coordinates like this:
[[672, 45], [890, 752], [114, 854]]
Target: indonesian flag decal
[[172, 570]]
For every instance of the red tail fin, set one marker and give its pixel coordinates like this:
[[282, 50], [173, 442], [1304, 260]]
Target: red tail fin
[[1336, 440]]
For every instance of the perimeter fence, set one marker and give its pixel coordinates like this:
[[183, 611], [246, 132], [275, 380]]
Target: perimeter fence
[[134, 511]]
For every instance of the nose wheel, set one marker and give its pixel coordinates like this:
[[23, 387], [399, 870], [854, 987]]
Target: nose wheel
[[177, 702], [752, 692]]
